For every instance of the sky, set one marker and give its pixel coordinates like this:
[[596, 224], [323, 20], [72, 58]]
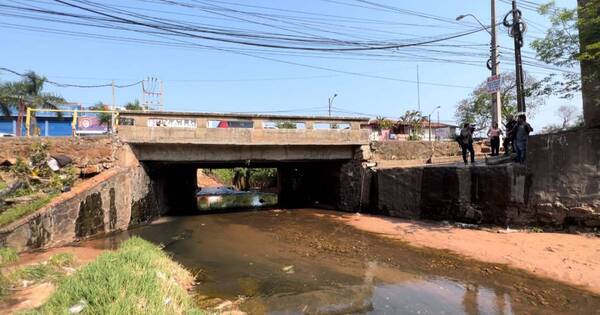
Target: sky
[[225, 80]]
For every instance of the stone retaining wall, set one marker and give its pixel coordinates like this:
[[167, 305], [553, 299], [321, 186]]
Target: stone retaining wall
[[560, 186], [114, 200], [416, 150]]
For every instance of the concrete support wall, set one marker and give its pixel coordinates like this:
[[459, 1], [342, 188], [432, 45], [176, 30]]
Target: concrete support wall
[[560, 186], [114, 200]]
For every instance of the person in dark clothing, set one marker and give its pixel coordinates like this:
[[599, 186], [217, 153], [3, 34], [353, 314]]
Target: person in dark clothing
[[509, 144], [466, 143], [494, 134], [521, 131]]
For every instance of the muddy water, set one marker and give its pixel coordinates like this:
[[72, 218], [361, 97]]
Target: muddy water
[[304, 262]]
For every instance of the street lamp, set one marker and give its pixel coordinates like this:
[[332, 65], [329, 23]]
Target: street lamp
[[492, 63], [460, 17], [429, 118], [331, 102]]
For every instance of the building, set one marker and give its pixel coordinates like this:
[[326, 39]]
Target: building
[[401, 131], [50, 124]]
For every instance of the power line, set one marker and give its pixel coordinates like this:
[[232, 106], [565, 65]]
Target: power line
[[65, 85]]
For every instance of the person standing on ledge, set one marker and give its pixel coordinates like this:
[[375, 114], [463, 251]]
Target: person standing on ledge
[[466, 143], [494, 134], [522, 130], [509, 140]]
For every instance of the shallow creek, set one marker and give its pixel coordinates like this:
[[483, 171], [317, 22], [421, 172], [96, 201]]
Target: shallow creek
[[298, 262]]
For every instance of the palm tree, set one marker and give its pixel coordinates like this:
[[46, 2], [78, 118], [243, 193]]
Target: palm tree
[[27, 93]]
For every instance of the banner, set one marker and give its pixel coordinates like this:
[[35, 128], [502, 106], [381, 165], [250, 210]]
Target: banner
[[90, 125]]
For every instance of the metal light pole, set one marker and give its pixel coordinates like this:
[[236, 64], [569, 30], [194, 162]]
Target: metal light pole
[[493, 63], [331, 102], [429, 119]]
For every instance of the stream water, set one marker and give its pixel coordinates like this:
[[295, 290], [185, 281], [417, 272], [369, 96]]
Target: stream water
[[305, 262]]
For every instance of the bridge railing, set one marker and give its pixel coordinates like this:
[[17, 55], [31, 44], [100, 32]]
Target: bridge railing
[[211, 128]]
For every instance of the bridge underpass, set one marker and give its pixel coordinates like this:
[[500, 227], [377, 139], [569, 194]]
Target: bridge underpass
[[309, 153]]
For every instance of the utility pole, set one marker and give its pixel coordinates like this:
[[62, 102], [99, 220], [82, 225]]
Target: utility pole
[[418, 91], [114, 106], [516, 30], [495, 68]]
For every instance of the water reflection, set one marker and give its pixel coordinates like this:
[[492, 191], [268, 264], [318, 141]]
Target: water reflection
[[293, 262]]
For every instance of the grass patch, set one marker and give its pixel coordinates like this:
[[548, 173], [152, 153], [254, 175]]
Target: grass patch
[[138, 278], [7, 256], [14, 213], [3, 185]]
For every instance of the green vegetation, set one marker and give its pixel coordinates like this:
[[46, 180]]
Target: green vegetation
[[27, 93], [138, 278], [33, 176], [7, 256], [14, 213], [52, 270], [2, 185], [477, 108], [244, 178], [560, 45], [285, 125]]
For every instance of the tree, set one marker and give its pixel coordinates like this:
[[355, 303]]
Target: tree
[[29, 92], [566, 114], [105, 118], [477, 108], [560, 46], [135, 105], [413, 118]]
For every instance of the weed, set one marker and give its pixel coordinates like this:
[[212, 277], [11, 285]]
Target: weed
[[14, 213], [62, 260], [138, 278], [8, 256]]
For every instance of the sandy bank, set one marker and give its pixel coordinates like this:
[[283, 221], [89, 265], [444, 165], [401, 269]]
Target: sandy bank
[[572, 259]]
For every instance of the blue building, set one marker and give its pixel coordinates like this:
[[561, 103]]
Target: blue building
[[49, 123]]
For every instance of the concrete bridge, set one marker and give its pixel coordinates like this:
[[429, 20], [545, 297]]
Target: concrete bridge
[[212, 137]]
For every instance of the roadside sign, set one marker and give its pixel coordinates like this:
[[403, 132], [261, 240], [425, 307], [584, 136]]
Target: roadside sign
[[493, 83], [90, 125]]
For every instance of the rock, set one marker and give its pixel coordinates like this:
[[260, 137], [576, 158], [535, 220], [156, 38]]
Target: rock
[[581, 212], [77, 308], [91, 170], [63, 160], [593, 221], [551, 213]]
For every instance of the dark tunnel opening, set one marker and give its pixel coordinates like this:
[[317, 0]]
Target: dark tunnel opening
[[194, 188]]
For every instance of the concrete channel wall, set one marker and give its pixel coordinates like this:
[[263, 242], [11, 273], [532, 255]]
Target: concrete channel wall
[[113, 200], [560, 186]]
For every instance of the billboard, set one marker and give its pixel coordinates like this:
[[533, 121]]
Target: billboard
[[90, 125]]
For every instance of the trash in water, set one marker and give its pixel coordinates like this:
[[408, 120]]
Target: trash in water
[[288, 269]]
